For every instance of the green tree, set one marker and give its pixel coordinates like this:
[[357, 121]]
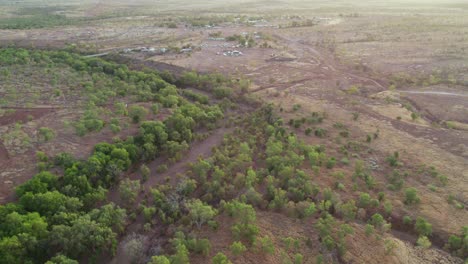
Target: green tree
[[61, 259], [200, 213], [377, 220], [424, 242], [455, 242], [245, 219], [145, 172], [411, 196], [110, 215], [181, 256], [348, 210], [298, 258], [423, 227], [129, 190], [364, 200], [40, 183], [12, 251], [265, 244], [159, 260], [83, 236], [46, 134], [50, 203], [220, 258], [237, 248], [137, 113]]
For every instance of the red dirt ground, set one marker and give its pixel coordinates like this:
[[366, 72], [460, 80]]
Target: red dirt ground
[[24, 114]]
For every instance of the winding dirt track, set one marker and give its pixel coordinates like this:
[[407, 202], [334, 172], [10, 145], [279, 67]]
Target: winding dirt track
[[434, 93], [305, 50], [198, 149]]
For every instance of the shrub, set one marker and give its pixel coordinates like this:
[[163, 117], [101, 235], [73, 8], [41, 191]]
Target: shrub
[[355, 116], [331, 163], [411, 196], [344, 133], [200, 213], [161, 168], [46, 134], [423, 227], [389, 245], [115, 128], [407, 220], [369, 229], [155, 108], [129, 190], [145, 172], [222, 92], [159, 260], [348, 210], [454, 242], [134, 247], [393, 159], [353, 90], [41, 156], [377, 220], [237, 248], [320, 132], [364, 200], [265, 244], [423, 242], [220, 258], [137, 113], [298, 258], [388, 207]]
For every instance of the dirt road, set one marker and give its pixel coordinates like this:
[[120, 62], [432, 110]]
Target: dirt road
[[434, 93]]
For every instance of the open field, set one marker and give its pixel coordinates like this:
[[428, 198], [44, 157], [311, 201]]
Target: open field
[[312, 131]]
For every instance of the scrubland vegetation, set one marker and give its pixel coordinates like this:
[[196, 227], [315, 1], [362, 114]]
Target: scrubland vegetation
[[261, 166], [287, 153]]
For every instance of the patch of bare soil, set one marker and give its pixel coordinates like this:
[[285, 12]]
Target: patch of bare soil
[[440, 105], [24, 115], [3, 152]]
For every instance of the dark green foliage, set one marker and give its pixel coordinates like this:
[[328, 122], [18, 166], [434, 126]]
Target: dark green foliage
[[202, 99], [364, 200], [411, 196], [88, 123], [55, 215], [237, 248], [423, 227], [265, 245], [458, 244], [393, 159], [36, 21], [40, 183], [320, 132], [396, 180], [220, 258], [46, 134], [407, 220], [83, 236], [137, 113], [61, 259], [245, 220], [222, 92]]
